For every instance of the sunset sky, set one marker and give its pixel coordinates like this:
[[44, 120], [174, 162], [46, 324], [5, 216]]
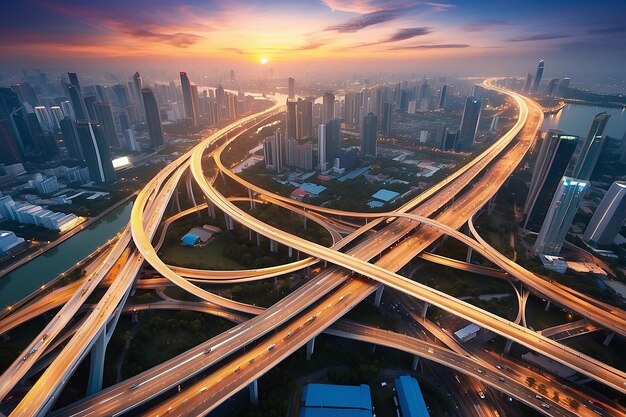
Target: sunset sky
[[460, 36]]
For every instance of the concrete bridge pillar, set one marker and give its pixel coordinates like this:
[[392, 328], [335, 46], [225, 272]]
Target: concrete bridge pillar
[[424, 309], [250, 234], [290, 251], [96, 367], [134, 318], [273, 246], [548, 305], [608, 339], [310, 347], [304, 217], [258, 239], [468, 258], [491, 205], [416, 361], [228, 221], [254, 392], [378, 295], [507, 346], [251, 197]]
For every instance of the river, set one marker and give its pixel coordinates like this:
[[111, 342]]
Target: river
[[20, 282], [575, 119]]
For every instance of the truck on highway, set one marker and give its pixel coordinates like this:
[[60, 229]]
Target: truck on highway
[[271, 347]]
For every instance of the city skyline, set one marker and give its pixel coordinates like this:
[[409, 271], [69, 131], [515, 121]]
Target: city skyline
[[419, 36]]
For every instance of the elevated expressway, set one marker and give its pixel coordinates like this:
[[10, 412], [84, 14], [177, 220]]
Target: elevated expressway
[[582, 363], [361, 267], [273, 234]]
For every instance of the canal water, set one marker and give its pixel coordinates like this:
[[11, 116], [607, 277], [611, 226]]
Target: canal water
[[575, 119], [27, 278]]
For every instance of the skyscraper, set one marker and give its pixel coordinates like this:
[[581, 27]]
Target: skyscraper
[[96, 152], [368, 135], [12, 111], [10, 149], [587, 154], [328, 106], [469, 124], [273, 151], [73, 77], [538, 76], [304, 108], [291, 88], [137, 86], [329, 142], [292, 116], [609, 217], [529, 81], [153, 117], [553, 87], [442, 96], [70, 139], [78, 105], [191, 112], [554, 156], [559, 217], [564, 86], [385, 128], [104, 115]]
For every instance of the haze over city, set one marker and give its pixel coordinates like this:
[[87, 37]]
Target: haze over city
[[330, 208]]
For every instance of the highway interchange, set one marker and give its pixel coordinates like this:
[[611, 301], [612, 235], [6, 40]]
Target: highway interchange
[[326, 297]]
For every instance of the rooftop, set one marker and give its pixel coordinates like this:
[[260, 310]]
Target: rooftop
[[385, 195], [336, 401], [410, 397]]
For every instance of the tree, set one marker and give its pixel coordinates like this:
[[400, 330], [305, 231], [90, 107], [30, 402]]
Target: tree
[[543, 389], [531, 381], [574, 404]]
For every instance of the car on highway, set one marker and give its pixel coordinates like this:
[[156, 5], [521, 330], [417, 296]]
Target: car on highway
[[271, 347], [481, 395], [545, 405]]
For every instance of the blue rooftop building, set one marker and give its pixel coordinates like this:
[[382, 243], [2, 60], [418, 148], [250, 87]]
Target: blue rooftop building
[[190, 239], [386, 196], [322, 400], [410, 397]]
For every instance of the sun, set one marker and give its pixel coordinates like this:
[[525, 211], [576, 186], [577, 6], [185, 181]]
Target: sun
[[264, 60]]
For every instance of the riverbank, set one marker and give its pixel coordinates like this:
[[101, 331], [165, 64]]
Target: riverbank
[[63, 238]]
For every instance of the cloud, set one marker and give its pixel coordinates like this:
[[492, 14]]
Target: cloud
[[480, 25], [361, 22], [608, 30], [370, 6], [539, 37], [430, 46], [180, 39], [408, 33]]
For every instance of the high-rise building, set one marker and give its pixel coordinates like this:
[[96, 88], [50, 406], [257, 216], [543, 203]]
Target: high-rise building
[[292, 117], [588, 152], [68, 111], [96, 151], [137, 86], [70, 139], [10, 149], [559, 216], [26, 93], [538, 76], [528, 84], [385, 128], [552, 160], [45, 120], [78, 105], [73, 77], [273, 151], [564, 86], [442, 96], [90, 104], [329, 142], [553, 87], [104, 115], [291, 88], [469, 124], [191, 112], [299, 154], [12, 111], [328, 106], [609, 217], [153, 118], [57, 116], [304, 108], [368, 134]]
